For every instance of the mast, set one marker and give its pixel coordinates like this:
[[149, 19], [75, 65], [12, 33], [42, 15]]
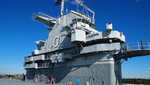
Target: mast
[[62, 7], [62, 2]]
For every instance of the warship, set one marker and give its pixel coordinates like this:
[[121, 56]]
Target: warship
[[74, 48]]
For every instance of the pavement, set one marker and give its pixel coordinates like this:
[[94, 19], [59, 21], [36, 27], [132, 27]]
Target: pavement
[[18, 82]]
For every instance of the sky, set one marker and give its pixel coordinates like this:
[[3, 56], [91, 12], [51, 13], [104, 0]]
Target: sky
[[18, 32]]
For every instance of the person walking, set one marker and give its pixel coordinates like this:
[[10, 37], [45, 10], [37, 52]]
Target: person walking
[[78, 81], [142, 45], [52, 81], [36, 79], [41, 80]]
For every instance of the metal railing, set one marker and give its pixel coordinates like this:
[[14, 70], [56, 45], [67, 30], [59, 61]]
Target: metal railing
[[33, 17], [136, 46]]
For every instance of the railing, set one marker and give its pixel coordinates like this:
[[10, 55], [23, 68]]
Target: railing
[[28, 59], [41, 14], [39, 57], [29, 66], [136, 46], [45, 15]]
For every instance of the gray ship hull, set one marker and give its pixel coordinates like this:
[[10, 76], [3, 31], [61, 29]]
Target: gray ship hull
[[96, 69]]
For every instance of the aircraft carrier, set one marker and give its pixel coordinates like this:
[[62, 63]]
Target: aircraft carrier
[[74, 48]]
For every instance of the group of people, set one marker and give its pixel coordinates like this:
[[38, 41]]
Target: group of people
[[52, 81]]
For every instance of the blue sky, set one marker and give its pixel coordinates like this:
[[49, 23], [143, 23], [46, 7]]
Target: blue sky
[[18, 33]]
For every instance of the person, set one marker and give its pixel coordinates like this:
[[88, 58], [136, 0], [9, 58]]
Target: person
[[78, 81], [142, 45], [23, 77], [36, 79], [9, 78], [41, 80], [52, 81]]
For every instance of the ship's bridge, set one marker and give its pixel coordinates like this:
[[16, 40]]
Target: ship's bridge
[[133, 50]]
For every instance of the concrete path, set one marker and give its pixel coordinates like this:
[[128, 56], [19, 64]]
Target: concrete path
[[18, 82]]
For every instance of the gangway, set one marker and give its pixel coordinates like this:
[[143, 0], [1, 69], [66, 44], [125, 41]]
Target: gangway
[[133, 50]]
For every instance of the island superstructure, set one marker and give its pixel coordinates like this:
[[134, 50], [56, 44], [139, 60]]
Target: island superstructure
[[74, 48]]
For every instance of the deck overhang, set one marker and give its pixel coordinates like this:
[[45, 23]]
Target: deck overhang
[[133, 50]]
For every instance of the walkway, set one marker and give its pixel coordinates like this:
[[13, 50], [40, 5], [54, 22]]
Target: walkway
[[19, 82], [133, 50]]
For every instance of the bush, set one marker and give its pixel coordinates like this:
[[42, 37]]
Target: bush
[[136, 81]]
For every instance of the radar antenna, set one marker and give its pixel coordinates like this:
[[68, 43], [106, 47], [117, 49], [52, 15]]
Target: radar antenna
[[62, 2], [81, 4]]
